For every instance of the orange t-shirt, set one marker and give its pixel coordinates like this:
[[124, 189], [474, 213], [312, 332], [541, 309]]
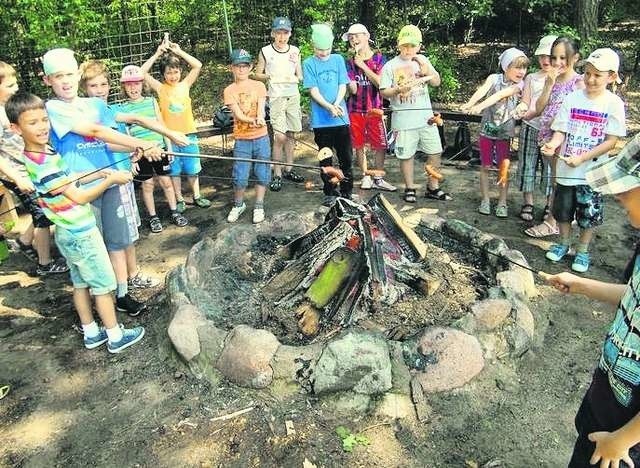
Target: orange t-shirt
[[175, 107], [246, 95]]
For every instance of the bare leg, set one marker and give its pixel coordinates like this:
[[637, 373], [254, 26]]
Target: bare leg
[[42, 243], [484, 183], [260, 191], [132, 261], [585, 238], [194, 182], [360, 158], [406, 167], [106, 310], [169, 193], [379, 157], [147, 196], [119, 262], [104, 305], [434, 160], [27, 237], [177, 187], [504, 190], [289, 147], [279, 145], [565, 232]]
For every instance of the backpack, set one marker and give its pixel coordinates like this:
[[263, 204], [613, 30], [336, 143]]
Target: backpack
[[223, 117]]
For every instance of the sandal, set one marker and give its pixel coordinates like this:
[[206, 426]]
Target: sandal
[[155, 224], [526, 212], [202, 202], [276, 184], [437, 194], [502, 211], [543, 229], [179, 220], [546, 212], [409, 195], [485, 207], [28, 251], [181, 206]]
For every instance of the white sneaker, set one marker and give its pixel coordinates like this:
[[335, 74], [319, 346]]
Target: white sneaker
[[235, 213], [382, 184], [258, 215], [366, 183]]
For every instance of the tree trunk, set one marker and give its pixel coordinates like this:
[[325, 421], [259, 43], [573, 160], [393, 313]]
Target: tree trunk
[[367, 14], [587, 19]]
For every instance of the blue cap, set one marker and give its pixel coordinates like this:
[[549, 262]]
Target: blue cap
[[281, 22], [240, 56]]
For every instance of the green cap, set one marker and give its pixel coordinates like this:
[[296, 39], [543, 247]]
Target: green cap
[[410, 34], [321, 36]]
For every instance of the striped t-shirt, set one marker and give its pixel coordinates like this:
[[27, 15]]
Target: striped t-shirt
[[146, 107], [51, 177], [367, 96]]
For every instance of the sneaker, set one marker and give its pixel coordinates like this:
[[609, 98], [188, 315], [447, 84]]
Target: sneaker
[[92, 342], [142, 282], [502, 211], [59, 265], [292, 176], [129, 305], [485, 207], [155, 224], [181, 206], [581, 262], [382, 184], [366, 183], [130, 336], [557, 252], [258, 215], [179, 219], [235, 213], [276, 184]]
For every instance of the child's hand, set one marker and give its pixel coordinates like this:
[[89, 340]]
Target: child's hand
[[521, 110], [475, 110], [573, 161], [153, 154], [179, 138], [548, 150], [336, 111], [162, 48], [173, 47], [260, 122], [359, 61], [564, 282], [120, 177], [610, 449], [552, 74], [135, 169], [25, 185]]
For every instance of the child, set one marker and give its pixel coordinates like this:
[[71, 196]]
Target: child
[[588, 125], [325, 76], [82, 128], [246, 98], [366, 127], [279, 66], [132, 81], [77, 235], [529, 156], [175, 107], [13, 176], [607, 422], [502, 91], [404, 82], [561, 80]]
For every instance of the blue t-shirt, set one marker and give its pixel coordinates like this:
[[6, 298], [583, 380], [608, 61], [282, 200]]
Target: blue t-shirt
[[327, 76]]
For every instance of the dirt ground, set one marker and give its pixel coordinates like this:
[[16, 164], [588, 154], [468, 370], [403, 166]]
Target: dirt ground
[[71, 407]]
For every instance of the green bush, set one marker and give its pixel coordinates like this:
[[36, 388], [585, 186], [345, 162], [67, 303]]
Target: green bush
[[444, 61]]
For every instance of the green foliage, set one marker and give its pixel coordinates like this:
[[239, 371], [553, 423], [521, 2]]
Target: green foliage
[[444, 61], [349, 440], [586, 46]]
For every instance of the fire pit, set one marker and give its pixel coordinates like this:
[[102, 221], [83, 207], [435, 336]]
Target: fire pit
[[356, 306]]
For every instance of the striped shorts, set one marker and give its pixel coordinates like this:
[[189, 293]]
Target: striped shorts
[[529, 160]]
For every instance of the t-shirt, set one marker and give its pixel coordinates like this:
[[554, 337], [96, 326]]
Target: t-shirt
[[535, 83], [367, 95], [558, 92], [281, 68], [175, 107], [414, 110], [498, 121], [146, 107], [80, 153], [51, 176], [246, 94], [327, 76], [11, 146], [586, 122]]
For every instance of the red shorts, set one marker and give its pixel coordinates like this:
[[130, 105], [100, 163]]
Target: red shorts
[[367, 129], [492, 152]]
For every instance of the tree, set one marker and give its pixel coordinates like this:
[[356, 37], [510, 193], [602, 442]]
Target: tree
[[587, 19]]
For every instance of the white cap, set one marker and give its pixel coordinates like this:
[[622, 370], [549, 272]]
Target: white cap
[[545, 44], [57, 60], [356, 28], [605, 60]]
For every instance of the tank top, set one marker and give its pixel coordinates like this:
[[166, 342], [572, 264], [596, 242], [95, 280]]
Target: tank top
[[175, 107], [281, 68]]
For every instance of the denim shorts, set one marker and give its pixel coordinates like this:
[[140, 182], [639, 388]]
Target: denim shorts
[[579, 201], [117, 218], [258, 148], [88, 260], [185, 165]]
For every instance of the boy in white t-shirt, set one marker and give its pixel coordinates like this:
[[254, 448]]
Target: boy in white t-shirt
[[279, 66], [587, 126]]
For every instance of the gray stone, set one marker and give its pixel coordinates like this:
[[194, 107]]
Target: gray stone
[[212, 341], [516, 258], [455, 359], [496, 292], [285, 224], [400, 375], [462, 231], [432, 222], [518, 339], [289, 362], [201, 258], [357, 361], [512, 283], [466, 323], [176, 287], [183, 331], [246, 357], [524, 319], [490, 313], [494, 249]]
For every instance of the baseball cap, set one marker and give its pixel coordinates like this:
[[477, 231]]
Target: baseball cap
[[57, 60], [410, 34], [321, 36], [281, 22], [619, 174], [131, 74], [240, 56], [356, 28], [604, 59], [545, 44]]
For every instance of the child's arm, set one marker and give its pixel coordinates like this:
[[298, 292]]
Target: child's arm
[[523, 109], [299, 74], [146, 67], [154, 125], [22, 182], [335, 110], [549, 148], [109, 135], [549, 81], [374, 78], [426, 69], [479, 94], [83, 196], [607, 145], [610, 293], [494, 98], [194, 63], [167, 142], [259, 73]]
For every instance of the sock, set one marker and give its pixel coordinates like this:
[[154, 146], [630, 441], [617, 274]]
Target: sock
[[238, 203], [114, 334], [259, 205], [583, 248], [90, 330], [122, 289]]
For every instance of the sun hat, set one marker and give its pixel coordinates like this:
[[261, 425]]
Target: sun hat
[[545, 45], [356, 28], [618, 174], [131, 74], [57, 60]]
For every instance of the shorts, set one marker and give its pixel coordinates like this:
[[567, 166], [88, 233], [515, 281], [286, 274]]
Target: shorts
[[493, 152], [529, 159], [29, 203], [425, 139], [147, 169], [258, 148], [116, 218], [285, 113], [580, 202], [88, 260], [186, 165], [367, 129]]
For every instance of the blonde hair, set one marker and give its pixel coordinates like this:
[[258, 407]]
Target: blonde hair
[[520, 62], [91, 69], [6, 71]]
